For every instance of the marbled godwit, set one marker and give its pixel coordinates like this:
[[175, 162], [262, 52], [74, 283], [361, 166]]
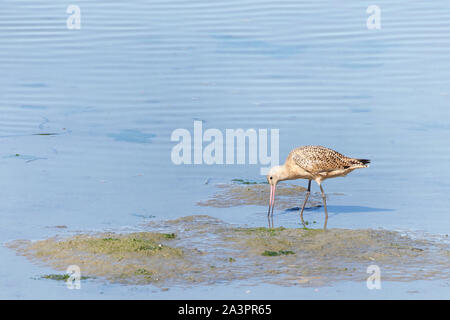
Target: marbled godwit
[[313, 163]]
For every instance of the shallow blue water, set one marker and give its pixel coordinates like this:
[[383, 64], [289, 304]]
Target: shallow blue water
[[114, 91]]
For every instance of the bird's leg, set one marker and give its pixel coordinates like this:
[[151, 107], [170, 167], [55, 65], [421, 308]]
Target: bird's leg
[[325, 207], [304, 203]]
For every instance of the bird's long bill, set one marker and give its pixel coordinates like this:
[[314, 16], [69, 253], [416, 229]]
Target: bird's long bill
[[272, 198]]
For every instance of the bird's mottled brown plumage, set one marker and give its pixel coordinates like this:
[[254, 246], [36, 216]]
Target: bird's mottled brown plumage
[[318, 159]]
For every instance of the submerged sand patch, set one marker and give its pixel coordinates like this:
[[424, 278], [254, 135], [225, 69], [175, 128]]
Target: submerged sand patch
[[202, 249], [252, 193]]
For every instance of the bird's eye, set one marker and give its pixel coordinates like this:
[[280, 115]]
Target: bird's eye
[[270, 178]]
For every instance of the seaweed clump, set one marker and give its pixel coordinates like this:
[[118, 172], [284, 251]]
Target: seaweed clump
[[130, 258], [202, 249]]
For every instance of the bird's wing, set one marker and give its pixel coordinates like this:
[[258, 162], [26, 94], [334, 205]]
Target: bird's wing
[[316, 159]]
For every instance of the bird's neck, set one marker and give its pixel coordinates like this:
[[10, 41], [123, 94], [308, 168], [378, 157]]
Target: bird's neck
[[283, 173]]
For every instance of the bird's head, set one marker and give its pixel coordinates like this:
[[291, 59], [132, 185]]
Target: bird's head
[[275, 175]]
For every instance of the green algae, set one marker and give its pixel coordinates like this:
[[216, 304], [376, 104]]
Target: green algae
[[143, 242], [204, 250], [46, 134], [60, 277], [277, 253], [242, 181], [261, 230], [57, 277]]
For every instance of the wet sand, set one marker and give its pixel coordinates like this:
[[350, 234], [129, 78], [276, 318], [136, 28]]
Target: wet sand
[[201, 249]]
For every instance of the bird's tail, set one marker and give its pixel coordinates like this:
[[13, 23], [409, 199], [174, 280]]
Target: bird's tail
[[361, 163], [364, 161], [358, 163]]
